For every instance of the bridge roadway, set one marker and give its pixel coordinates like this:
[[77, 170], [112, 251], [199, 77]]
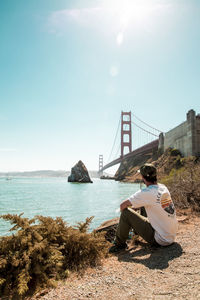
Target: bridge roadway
[[142, 150]]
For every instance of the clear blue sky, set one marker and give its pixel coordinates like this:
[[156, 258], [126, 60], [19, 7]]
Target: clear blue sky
[[68, 68]]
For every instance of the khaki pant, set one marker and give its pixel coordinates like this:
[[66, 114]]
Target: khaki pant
[[130, 219]]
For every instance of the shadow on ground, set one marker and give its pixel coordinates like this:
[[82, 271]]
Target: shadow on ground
[[152, 258]]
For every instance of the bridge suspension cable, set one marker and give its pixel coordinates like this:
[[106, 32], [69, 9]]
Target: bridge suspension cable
[[118, 151], [145, 123], [114, 139], [144, 129]]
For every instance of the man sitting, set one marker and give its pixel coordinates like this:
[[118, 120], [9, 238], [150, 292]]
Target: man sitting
[[160, 226]]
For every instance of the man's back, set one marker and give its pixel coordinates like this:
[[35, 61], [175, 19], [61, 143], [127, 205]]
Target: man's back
[[160, 211]]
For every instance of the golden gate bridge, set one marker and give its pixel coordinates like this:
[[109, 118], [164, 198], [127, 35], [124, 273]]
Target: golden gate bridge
[[145, 136]]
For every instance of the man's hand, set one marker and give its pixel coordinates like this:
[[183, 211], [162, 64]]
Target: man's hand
[[125, 204]]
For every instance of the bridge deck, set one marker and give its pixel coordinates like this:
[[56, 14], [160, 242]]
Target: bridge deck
[[142, 150]]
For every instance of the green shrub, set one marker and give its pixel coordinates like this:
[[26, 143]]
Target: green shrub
[[175, 152], [43, 250]]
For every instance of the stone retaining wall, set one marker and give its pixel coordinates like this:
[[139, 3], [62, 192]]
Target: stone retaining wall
[[185, 137]]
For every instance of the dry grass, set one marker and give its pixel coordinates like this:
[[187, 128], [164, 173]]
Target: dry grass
[[184, 185], [44, 250]]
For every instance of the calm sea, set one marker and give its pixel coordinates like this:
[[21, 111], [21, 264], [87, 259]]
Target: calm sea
[[56, 197]]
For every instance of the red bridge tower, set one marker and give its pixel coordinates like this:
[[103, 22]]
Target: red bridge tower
[[126, 133], [100, 164]]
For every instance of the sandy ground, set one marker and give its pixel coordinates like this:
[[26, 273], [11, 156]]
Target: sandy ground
[[141, 272]]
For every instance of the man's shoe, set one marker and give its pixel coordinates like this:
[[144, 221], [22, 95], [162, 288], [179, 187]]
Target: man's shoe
[[117, 248]]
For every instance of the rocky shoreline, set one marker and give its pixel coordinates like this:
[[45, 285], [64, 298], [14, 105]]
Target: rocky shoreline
[[141, 272]]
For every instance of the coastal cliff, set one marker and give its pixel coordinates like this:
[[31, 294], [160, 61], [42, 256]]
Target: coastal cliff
[[128, 168], [164, 163]]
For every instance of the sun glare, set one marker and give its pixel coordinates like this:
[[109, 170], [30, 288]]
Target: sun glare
[[126, 13], [128, 10]]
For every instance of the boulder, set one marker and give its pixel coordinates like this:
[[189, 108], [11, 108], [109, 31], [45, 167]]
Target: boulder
[[110, 228], [79, 173]]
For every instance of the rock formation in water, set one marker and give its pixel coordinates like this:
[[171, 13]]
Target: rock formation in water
[[79, 173]]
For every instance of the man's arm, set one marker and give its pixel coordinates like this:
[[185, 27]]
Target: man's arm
[[125, 204], [136, 201]]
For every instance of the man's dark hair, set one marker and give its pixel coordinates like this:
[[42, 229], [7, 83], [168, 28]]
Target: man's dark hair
[[149, 172], [152, 179]]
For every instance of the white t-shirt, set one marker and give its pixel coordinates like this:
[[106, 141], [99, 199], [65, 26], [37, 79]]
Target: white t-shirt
[[160, 211]]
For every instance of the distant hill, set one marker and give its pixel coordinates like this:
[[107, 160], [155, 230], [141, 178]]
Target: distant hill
[[45, 173], [39, 173]]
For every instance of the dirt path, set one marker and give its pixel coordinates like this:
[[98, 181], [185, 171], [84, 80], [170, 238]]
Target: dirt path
[[142, 272]]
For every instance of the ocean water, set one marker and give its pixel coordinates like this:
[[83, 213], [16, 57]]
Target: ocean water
[[56, 197]]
